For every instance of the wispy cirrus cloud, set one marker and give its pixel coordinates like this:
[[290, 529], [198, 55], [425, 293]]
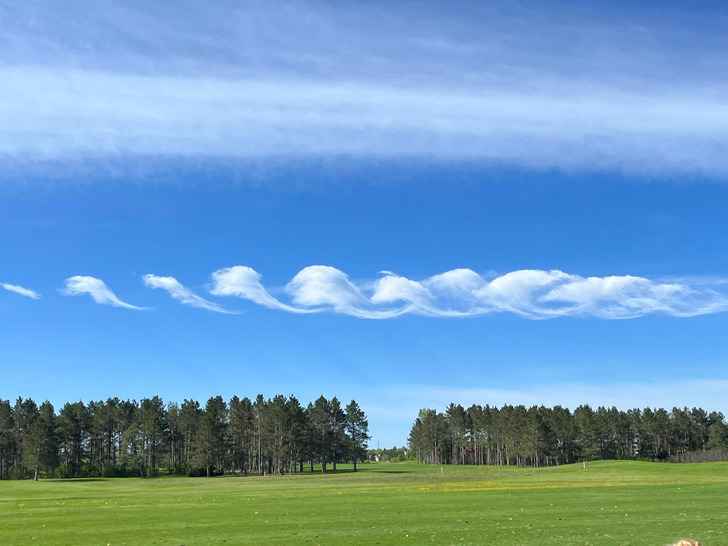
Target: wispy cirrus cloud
[[501, 84], [182, 294], [97, 289], [570, 126], [27, 292], [532, 294]]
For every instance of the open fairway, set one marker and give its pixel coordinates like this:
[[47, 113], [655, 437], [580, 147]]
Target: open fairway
[[606, 503]]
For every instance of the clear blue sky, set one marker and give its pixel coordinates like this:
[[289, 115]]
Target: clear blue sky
[[404, 205]]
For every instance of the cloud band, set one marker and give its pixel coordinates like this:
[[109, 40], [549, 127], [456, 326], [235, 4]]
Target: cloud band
[[532, 294]]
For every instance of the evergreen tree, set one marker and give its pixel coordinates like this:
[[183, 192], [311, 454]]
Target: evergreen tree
[[74, 423], [40, 445], [8, 446], [189, 420], [210, 447], [25, 413], [319, 416], [357, 428]]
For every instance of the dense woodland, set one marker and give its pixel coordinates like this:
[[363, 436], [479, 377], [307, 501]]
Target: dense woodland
[[540, 436], [149, 437]]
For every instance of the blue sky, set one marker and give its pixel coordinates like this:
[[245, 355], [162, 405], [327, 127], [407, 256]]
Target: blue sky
[[521, 203]]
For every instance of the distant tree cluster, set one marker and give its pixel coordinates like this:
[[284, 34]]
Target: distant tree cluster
[[540, 436], [393, 455], [146, 438]]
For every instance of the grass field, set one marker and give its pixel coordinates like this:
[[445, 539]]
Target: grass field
[[606, 503]]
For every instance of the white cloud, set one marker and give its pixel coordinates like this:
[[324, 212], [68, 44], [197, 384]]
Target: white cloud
[[392, 289], [244, 282], [181, 293], [532, 294], [625, 297], [20, 290], [321, 287], [97, 289], [518, 291]]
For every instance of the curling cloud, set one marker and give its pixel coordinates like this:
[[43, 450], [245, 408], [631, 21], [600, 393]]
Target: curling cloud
[[181, 293], [20, 290], [525, 84], [244, 282], [532, 294], [97, 289]]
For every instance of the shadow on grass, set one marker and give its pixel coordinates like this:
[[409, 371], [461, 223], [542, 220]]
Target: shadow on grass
[[365, 470], [85, 480]]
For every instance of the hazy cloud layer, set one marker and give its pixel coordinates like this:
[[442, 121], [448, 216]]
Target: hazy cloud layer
[[539, 86], [20, 290], [532, 294], [390, 402], [97, 289], [180, 293]]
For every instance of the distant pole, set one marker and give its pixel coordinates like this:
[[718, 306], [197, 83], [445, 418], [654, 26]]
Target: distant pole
[[442, 470], [584, 463]]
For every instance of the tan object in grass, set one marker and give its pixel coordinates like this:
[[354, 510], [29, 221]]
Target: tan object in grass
[[686, 542]]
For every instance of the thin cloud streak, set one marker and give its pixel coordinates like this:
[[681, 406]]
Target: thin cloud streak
[[97, 289], [182, 294], [531, 294], [28, 293]]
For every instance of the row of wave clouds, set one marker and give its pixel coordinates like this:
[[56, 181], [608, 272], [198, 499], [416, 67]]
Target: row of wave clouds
[[534, 294]]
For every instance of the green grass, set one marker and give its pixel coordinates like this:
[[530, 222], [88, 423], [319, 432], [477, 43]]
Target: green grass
[[608, 503]]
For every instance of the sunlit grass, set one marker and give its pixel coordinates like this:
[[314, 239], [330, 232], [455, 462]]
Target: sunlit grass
[[606, 503]]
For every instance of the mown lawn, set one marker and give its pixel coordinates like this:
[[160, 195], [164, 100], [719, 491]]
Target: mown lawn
[[608, 503]]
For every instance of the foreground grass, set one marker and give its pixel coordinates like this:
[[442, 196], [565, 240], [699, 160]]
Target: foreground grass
[[608, 503]]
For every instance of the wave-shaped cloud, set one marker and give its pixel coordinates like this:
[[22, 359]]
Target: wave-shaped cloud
[[244, 282], [181, 293], [533, 294], [97, 289], [27, 292]]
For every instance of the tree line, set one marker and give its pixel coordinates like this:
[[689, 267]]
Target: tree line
[[117, 438], [540, 436]]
